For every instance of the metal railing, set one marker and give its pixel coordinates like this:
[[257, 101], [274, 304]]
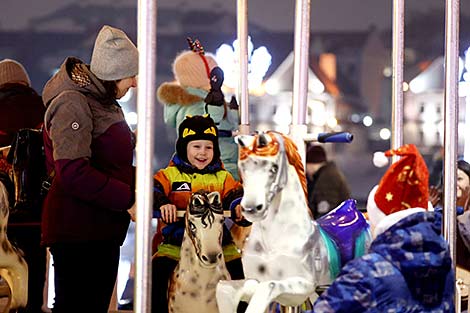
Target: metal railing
[[146, 99]]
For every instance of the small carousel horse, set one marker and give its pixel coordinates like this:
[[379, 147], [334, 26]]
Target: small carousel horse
[[13, 267], [202, 265], [287, 255]]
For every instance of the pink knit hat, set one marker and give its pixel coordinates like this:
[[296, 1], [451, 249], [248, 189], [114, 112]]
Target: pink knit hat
[[12, 71], [191, 68]]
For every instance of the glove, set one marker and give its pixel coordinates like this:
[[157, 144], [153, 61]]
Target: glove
[[233, 104], [215, 95]]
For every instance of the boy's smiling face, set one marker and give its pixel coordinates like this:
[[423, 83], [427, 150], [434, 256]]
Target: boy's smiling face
[[200, 153]]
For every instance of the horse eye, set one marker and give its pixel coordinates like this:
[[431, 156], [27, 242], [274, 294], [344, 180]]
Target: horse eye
[[274, 169]]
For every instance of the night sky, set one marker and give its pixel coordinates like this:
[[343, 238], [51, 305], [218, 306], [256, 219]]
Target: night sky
[[277, 16]]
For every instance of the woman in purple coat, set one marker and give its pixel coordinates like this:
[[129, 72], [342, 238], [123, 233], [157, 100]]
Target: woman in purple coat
[[90, 148]]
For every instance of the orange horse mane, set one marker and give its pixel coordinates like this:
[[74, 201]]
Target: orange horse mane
[[296, 161], [273, 148]]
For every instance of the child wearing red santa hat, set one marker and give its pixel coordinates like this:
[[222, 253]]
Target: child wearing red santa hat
[[408, 267]]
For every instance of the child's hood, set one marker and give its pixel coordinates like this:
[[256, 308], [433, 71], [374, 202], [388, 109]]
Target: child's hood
[[173, 93]]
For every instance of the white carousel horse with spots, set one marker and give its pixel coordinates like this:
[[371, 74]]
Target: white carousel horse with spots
[[13, 267], [202, 265], [287, 255]]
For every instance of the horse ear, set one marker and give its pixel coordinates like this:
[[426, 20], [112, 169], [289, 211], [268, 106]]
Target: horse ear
[[214, 198], [215, 202], [197, 200], [244, 140], [239, 140], [263, 140]]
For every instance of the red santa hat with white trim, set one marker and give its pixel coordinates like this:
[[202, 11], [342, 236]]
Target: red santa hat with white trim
[[404, 185]]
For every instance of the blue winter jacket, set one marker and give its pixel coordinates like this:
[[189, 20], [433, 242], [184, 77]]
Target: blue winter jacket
[[408, 269]]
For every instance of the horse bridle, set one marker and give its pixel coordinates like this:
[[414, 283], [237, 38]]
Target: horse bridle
[[281, 176]]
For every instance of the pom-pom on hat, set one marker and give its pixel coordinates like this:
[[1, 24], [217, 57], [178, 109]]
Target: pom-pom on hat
[[403, 186], [12, 71], [192, 68], [197, 127], [114, 56], [380, 159]]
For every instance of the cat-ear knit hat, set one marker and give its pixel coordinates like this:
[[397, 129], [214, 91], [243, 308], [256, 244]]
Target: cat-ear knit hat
[[198, 127]]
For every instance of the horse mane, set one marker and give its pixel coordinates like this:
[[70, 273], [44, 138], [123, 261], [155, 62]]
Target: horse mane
[[295, 160]]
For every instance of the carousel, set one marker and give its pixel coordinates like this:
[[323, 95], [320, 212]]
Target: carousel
[[288, 258]]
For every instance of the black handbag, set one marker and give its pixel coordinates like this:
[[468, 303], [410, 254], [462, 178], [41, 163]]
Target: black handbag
[[29, 173]]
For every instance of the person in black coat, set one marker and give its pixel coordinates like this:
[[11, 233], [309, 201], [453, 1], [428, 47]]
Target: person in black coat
[[327, 186], [22, 107]]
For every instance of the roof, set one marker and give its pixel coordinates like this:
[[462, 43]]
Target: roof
[[284, 76], [431, 78]]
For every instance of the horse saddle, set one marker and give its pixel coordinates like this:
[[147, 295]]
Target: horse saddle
[[344, 225]]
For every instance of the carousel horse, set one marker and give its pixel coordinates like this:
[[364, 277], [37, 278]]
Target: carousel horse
[[287, 254], [13, 267], [202, 265]]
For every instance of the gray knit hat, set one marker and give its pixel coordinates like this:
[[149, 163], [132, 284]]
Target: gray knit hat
[[12, 71], [114, 56]]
